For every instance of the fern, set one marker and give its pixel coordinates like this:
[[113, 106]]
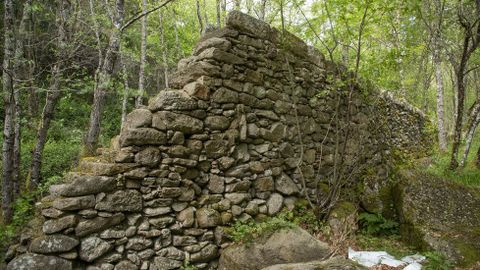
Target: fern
[[376, 224]]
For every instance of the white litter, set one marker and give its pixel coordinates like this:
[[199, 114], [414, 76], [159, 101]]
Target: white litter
[[372, 258]]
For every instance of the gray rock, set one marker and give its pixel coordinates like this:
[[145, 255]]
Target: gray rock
[[284, 246], [165, 120], [285, 185], [162, 263], [53, 244], [138, 243], [216, 184], [224, 95], [197, 90], [207, 254], [172, 100], [217, 122], [337, 263], [207, 218], [216, 148], [92, 248], [149, 156], [56, 225], [221, 56], [186, 217], [439, 214], [161, 222], [97, 224], [264, 183], [30, 261], [138, 118], [250, 25], [125, 265], [122, 200], [274, 203], [172, 253], [86, 185], [213, 42], [142, 136], [74, 203]]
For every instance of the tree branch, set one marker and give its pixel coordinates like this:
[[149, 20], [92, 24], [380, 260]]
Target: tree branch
[[140, 15]]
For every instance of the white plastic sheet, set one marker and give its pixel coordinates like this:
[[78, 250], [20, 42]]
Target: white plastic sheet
[[372, 258]]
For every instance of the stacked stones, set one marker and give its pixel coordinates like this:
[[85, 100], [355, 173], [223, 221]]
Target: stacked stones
[[242, 135]]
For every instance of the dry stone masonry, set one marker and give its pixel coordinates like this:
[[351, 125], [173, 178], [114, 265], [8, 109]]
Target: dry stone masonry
[[255, 120]]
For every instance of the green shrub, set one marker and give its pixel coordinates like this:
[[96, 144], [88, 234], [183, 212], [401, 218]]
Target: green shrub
[[376, 224], [437, 261], [245, 232]]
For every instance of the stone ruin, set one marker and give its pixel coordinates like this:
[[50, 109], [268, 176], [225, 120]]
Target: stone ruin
[[255, 120]]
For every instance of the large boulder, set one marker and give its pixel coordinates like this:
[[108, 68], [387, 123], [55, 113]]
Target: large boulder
[[439, 214], [336, 263], [284, 246], [53, 244], [29, 261]]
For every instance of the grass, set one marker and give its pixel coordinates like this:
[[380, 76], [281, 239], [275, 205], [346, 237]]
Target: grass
[[469, 175]]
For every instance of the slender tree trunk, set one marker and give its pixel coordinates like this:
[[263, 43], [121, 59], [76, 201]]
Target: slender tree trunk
[[143, 56], [177, 39], [262, 10], [205, 15], [9, 107], [199, 17], [21, 81], [104, 81], [219, 13], [125, 89], [96, 29], [51, 100], [164, 47], [442, 134], [474, 120]]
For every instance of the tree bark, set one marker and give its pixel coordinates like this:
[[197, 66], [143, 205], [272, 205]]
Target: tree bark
[[51, 100], [199, 17], [125, 90], [21, 81], [9, 107], [219, 13], [471, 42], [104, 81], [474, 120], [164, 48], [143, 56], [442, 134], [177, 39]]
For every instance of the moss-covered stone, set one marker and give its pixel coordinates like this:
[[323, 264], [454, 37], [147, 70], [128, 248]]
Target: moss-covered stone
[[441, 215]]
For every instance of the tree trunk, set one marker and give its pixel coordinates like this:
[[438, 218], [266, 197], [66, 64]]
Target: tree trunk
[[21, 81], [9, 107], [143, 56], [51, 100], [125, 89], [442, 134], [262, 10], [164, 47], [474, 120], [104, 81], [205, 15], [177, 39], [199, 17], [219, 13]]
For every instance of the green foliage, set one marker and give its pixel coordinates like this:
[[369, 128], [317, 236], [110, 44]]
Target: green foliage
[[188, 266], [248, 231], [376, 224], [301, 216], [469, 175], [24, 211], [390, 243], [437, 261]]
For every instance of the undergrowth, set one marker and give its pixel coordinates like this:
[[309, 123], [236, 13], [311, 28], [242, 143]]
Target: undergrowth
[[247, 231], [469, 175]]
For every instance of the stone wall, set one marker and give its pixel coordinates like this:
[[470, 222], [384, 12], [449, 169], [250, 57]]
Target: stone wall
[[255, 120]]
